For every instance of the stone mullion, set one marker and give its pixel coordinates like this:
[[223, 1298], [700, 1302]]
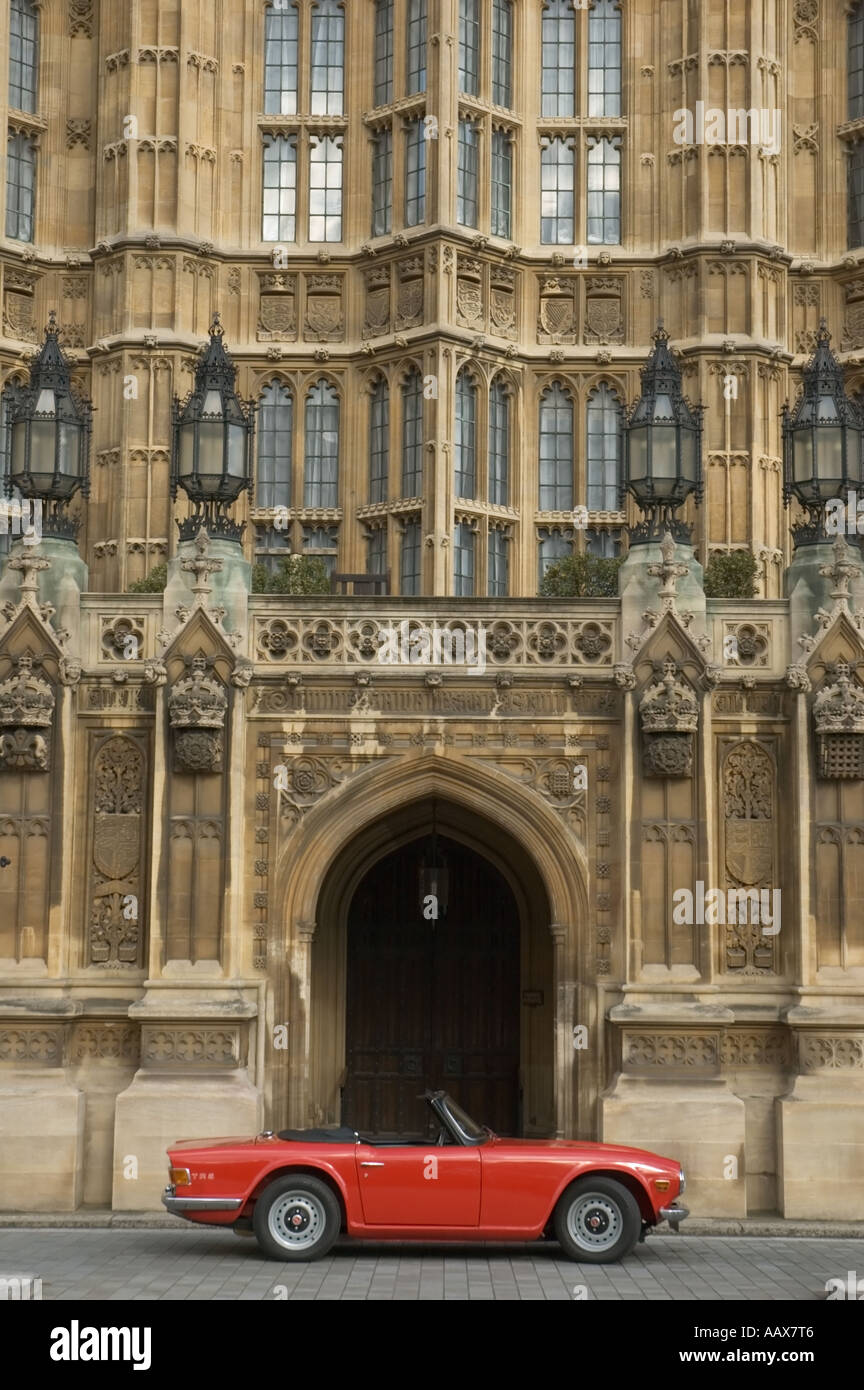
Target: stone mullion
[[158, 816], [708, 962], [443, 100], [565, 994]]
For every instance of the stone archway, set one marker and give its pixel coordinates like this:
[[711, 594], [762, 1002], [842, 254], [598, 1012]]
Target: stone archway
[[328, 856]]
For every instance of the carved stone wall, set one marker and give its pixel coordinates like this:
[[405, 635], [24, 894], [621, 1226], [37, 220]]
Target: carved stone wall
[[118, 856]]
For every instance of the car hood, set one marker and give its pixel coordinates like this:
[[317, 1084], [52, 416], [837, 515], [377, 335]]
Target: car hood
[[588, 1149]]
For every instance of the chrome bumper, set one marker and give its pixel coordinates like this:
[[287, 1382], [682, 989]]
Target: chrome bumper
[[179, 1206], [674, 1214]]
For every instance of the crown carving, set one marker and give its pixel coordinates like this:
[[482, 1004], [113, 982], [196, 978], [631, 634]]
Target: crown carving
[[26, 700], [839, 707], [669, 705], [197, 700]]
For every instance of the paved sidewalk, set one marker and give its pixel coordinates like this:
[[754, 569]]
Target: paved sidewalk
[[96, 1265]]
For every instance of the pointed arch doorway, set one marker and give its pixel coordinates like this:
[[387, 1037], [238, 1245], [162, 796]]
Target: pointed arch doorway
[[400, 1002], [432, 995]]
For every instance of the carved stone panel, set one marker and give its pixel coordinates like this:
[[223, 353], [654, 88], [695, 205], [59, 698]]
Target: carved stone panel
[[749, 849], [470, 307], [557, 318], [118, 838], [604, 310], [410, 292], [324, 320], [376, 319], [277, 310]]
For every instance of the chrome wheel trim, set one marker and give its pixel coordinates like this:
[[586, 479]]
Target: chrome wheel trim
[[297, 1220], [595, 1221]]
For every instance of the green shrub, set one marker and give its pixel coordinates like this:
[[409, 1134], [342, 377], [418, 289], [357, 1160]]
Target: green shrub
[[297, 574], [154, 583], [731, 574], [582, 576]]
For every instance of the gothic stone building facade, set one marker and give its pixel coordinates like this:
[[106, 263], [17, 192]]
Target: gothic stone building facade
[[438, 264]]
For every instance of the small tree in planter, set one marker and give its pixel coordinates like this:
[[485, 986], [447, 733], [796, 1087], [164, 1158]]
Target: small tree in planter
[[582, 576], [297, 574], [154, 583], [731, 574]]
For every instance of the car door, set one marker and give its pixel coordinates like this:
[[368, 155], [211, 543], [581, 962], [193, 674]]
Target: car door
[[419, 1186]]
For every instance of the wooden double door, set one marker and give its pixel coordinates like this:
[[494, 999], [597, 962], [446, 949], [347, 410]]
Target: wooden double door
[[432, 1004]]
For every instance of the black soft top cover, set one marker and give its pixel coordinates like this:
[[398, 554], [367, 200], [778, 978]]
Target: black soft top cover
[[343, 1135]]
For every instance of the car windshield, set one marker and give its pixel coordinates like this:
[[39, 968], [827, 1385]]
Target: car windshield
[[469, 1127]]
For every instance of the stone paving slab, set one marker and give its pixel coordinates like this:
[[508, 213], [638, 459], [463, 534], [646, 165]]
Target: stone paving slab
[[187, 1264]]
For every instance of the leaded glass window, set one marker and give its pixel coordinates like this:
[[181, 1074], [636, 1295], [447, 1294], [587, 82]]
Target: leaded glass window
[[279, 194], [328, 59], [557, 170], [20, 187], [502, 183], [603, 450], [275, 433], [409, 570], [502, 59], [415, 175], [469, 46], [383, 52], [281, 30], [856, 64], [325, 188], [382, 183], [604, 192], [379, 442], [416, 46], [499, 444], [497, 562], [558, 41], [604, 59], [321, 464], [23, 55], [465, 435], [466, 195], [556, 450], [463, 559], [412, 434]]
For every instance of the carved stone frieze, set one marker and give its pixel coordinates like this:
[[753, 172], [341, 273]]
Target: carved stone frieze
[[26, 715]]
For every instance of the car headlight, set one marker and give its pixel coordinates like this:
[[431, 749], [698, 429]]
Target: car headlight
[[682, 1181]]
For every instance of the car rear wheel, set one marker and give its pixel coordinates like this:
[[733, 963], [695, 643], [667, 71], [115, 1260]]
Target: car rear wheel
[[597, 1221], [296, 1219]]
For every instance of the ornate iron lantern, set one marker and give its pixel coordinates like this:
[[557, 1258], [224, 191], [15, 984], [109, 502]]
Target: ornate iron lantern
[[662, 447], [823, 439], [212, 445], [49, 426]]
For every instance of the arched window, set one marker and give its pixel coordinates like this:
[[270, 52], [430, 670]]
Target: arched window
[[379, 442], [412, 434], [328, 58], [556, 450], [321, 463], [415, 173], [382, 182], [554, 545], [499, 443], [409, 560], [498, 579], [464, 537], [558, 85], [603, 450], [556, 192], [20, 187], [325, 188], [604, 59], [275, 435], [281, 30], [465, 453], [23, 55]]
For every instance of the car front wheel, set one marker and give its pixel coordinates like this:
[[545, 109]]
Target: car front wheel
[[296, 1219], [597, 1221]]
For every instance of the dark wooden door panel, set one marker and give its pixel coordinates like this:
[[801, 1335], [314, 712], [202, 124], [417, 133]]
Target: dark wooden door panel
[[432, 1003]]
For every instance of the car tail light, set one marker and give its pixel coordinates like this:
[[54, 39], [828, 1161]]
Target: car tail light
[[179, 1176]]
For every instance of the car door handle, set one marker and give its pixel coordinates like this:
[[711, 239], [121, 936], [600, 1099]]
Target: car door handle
[[367, 1163]]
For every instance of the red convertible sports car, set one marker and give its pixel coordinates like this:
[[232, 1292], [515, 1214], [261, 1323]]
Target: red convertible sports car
[[297, 1190]]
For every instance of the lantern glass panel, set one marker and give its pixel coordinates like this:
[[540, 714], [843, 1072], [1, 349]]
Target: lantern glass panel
[[664, 460], [187, 450], [827, 408], [67, 453], [210, 442], [688, 456], [212, 403], [236, 451], [19, 448], [43, 442], [829, 458], [46, 403], [638, 445], [663, 408], [802, 453]]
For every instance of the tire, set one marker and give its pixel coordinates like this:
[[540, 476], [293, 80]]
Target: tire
[[597, 1221], [296, 1219]]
